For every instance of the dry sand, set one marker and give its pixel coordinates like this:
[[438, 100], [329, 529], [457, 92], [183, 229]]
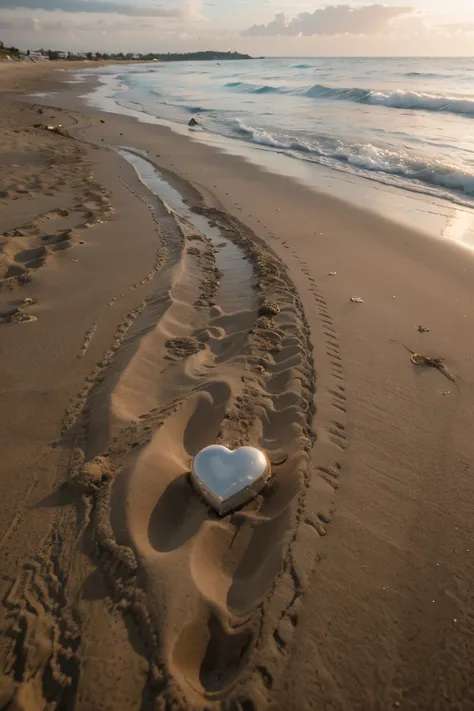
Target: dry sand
[[347, 585]]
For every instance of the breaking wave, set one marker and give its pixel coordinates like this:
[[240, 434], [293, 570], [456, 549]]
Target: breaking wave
[[398, 99], [265, 138], [367, 158]]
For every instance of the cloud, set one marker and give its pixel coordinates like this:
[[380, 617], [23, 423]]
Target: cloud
[[45, 24], [100, 6], [22, 24], [194, 8], [463, 28], [332, 20]]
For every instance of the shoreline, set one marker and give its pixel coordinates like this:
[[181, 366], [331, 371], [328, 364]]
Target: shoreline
[[416, 209], [429, 217], [140, 356]]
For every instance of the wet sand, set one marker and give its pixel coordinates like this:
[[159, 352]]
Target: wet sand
[[347, 583]]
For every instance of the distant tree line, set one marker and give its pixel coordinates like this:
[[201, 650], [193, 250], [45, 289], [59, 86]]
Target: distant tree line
[[121, 56], [197, 56], [54, 54]]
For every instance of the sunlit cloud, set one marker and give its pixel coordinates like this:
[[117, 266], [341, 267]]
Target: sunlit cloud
[[464, 28], [245, 25], [332, 20]]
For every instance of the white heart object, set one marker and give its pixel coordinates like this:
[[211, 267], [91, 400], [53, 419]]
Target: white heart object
[[228, 479]]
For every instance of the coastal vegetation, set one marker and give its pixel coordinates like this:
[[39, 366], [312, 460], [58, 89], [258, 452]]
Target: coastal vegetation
[[8, 52], [54, 54]]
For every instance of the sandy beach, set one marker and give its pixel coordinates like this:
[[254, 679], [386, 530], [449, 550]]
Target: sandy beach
[[169, 296]]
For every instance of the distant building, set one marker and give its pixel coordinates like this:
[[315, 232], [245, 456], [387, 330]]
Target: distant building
[[36, 55]]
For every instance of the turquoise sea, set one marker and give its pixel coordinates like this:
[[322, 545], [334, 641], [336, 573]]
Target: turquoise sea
[[402, 122]]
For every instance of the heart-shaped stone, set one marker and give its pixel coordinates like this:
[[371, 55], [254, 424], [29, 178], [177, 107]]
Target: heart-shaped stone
[[228, 479]]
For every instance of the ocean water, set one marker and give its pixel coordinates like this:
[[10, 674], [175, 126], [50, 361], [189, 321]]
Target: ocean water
[[403, 122]]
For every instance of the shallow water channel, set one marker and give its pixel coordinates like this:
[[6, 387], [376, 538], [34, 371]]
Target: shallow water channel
[[236, 288]]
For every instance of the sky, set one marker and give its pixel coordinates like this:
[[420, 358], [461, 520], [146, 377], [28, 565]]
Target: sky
[[301, 28]]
